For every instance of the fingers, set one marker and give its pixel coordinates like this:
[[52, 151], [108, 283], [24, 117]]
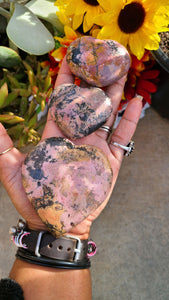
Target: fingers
[[114, 92], [5, 140], [64, 75], [51, 129], [126, 128]]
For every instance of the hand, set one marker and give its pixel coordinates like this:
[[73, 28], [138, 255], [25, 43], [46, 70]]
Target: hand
[[11, 162]]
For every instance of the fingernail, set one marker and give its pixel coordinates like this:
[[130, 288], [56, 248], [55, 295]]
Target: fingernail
[[139, 97]]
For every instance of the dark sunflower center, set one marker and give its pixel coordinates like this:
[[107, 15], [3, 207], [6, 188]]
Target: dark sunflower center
[[131, 17], [91, 2]]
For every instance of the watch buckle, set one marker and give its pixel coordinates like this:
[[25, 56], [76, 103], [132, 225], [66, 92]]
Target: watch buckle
[[77, 250], [37, 253]]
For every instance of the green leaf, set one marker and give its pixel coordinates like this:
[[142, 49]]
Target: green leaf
[[32, 121], [32, 108], [46, 10], [3, 94], [28, 33], [23, 105], [22, 92], [31, 75], [10, 98], [22, 140], [47, 83], [15, 131], [10, 119], [8, 57], [14, 82]]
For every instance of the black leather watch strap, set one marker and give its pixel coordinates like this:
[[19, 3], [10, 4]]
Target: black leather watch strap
[[63, 248], [42, 248], [25, 255]]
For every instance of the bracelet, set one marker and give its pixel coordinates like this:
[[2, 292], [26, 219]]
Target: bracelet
[[24, 255], [42, 248]]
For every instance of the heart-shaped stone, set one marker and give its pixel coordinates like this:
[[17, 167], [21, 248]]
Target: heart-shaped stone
[[66, 183], [98, 62], [79, 111]]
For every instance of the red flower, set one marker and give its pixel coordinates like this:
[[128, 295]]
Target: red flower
[[146, 84], [53, 65], [142, 78]]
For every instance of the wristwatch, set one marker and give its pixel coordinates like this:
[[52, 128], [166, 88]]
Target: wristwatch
[[42, 246]]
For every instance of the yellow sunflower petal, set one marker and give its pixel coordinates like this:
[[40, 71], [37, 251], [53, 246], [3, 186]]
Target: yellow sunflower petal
[[111, 5], [63, 18], [99, 20], [150, 37], [77, 21], [87, 24], [70, 8], [105, 32], [153, 42], [104, 19], [81, 7], [120, 36], [88, 20], [113, 32], [105, 4], [136, 45], [60, 3]]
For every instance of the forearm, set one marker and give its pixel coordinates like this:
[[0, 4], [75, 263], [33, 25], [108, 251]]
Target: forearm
[[43, 283]]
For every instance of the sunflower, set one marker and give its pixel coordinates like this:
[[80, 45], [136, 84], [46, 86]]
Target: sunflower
[[134, 24], [81, 12]]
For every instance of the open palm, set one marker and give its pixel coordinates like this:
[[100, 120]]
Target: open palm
[[11, 162]]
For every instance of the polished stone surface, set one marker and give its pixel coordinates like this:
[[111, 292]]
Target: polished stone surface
[[98, 62], [132, 233], [66, 183], [79, 111]]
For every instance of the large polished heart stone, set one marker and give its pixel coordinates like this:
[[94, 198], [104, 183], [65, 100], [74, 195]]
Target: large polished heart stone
[[79, 111], [66, 183], [98, 62]]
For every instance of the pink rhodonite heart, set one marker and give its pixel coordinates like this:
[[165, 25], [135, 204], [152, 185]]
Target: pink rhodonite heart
[[79, 111], [98, 62], [66, 183]]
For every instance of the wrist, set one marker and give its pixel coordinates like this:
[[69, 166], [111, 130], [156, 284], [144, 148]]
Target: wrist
[[39, 282], [81, 231], [42, 248]]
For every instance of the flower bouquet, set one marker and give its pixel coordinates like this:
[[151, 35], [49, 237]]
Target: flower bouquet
[[36, 34]]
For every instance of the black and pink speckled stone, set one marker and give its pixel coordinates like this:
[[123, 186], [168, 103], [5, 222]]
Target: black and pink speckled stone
[[79, 111], [66, 183], [98, 62]]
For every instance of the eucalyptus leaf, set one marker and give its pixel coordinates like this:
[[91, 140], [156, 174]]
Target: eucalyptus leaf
[[8, 57], [46, 10], [28, 33]]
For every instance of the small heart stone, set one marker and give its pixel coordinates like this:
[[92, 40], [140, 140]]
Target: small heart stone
[[79, 111], [66, 183], [98, 62]]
